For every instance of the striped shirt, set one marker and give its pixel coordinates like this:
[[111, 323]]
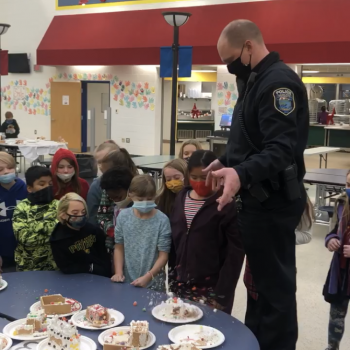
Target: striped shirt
[[192, 207]]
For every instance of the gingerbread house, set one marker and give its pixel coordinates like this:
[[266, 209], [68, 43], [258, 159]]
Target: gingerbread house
[[55, 305], [97, 315], [139, 334], [63, 335]]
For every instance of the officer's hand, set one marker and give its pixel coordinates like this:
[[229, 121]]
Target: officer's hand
[[333, 245], [213, 166], [231, 182]]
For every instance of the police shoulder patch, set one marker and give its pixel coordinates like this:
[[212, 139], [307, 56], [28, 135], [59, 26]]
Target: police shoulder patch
[[284, 100]]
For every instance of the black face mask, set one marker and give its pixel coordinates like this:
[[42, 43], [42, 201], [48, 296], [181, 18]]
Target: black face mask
[[44, 196], [240, 70]]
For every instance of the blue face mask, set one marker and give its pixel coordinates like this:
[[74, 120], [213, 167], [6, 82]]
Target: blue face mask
[[77, 221], [347, 190], [8, 178], [144, 206]]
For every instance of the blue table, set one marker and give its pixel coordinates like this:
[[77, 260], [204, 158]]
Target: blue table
[[24, 287]]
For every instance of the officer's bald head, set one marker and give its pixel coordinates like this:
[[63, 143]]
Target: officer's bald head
[[239, 31], [241, 38]]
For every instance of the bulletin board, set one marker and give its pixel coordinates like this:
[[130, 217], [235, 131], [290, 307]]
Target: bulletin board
[[74, 4]]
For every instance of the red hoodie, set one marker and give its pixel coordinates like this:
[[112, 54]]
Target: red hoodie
[[66, 188]]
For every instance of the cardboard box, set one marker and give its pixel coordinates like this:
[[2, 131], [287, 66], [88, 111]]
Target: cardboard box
[[55, 309]]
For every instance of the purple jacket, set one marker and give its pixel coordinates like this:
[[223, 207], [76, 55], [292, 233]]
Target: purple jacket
[[338, 282], [210, 253]]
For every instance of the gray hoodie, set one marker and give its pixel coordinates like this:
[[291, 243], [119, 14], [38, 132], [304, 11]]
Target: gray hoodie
[[94, 199]]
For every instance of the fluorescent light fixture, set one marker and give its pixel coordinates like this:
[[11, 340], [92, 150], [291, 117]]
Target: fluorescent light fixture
[[310, 71], [203, 71], [325, 64], [88, 68]]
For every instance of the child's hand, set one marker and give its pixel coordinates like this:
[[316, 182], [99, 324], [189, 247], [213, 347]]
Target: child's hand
[[346, 251], [142, 281], [333, 245], [118, 277]]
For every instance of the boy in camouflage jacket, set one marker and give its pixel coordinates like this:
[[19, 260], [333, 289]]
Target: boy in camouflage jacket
[[33, 222]]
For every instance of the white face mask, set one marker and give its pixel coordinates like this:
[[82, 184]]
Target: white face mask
[[65, 177]]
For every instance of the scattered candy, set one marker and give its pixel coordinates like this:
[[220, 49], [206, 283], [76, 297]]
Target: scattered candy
[[144, 309], [215, 310], [37, 298], [201, 301], [46, 290], [135, 303], [194, 288]]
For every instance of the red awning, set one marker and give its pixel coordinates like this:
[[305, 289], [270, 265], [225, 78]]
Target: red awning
[[303, 31]]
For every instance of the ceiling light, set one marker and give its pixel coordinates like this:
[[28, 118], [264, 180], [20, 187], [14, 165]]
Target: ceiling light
[[176, 19], [310, 71], [4, 28], [203, 71]]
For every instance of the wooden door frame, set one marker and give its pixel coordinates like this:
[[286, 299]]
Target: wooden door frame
[[84, 110]]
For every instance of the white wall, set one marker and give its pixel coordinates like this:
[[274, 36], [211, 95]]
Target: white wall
[[226, 94]]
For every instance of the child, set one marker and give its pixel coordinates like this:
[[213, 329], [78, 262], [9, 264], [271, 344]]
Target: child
[[208, 248], [173, 182], [10, 126], [12, 191], [105, 213], [33, 222], [94, 195], [65, 175], [142, 239], [78, 246], [116, 182], [188, 147], [337, 287]]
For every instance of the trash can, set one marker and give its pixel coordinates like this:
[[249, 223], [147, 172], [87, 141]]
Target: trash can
[[87, 166]]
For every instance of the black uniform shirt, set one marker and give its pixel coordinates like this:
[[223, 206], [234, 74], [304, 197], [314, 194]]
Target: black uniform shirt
[[276, 117]]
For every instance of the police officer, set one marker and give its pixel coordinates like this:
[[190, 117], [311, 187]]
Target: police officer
[[264, 166]]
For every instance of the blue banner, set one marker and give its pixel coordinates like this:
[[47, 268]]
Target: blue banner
[[166, 62], [185, 61]]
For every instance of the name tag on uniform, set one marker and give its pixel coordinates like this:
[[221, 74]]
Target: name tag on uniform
[[284, 101]]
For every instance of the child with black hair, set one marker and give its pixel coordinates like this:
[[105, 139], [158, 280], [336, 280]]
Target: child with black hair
[[105, 214], [116, 182], [33, 222], [208, 249]]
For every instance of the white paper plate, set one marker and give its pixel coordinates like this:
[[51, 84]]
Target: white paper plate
[[158, 314], [78, 320], [37, 306], [85, 344], [11, 327], [189, 334], [9, 341], [151, 339], [4, 285]]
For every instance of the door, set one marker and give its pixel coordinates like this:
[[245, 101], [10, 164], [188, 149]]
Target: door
[[66, 113]]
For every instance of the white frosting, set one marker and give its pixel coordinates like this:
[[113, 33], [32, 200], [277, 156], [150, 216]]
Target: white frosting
[[63, 335], [178, 347], [3, 342], [176, 308]]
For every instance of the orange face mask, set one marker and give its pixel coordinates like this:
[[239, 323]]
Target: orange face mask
[[174, 186]]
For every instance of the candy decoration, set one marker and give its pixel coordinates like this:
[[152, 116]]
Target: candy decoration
[[135, 303]]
